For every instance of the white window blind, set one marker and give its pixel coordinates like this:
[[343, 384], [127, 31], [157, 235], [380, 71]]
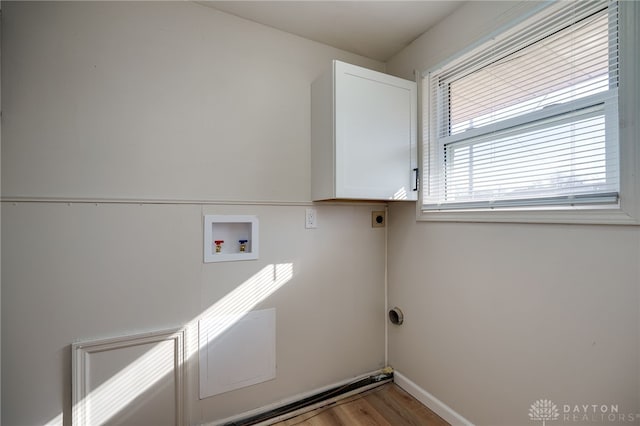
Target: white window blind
[[528, 118]]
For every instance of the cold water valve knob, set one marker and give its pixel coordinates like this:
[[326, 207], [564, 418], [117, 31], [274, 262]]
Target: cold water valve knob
[[243, 245]]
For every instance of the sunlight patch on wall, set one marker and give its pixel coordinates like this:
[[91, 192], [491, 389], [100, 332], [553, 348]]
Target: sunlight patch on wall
[[56, 421], [231, 308]]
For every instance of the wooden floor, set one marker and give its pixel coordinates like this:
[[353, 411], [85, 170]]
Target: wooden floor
[[386, 405]]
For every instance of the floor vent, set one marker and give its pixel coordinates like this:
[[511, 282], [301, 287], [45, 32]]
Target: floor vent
[[315, 401]]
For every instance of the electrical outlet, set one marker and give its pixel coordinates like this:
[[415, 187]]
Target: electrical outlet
[[378, 219], [311, 218]]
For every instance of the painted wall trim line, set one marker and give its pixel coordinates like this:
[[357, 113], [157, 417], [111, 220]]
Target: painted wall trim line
[[70, 200], [437, 406]]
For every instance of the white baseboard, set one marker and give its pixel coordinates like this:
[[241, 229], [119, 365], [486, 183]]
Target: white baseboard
[[437, 406]]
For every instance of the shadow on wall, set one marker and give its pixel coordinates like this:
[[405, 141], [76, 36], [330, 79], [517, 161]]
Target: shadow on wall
[[151, 376]]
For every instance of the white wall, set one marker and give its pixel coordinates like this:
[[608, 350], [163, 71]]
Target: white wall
[[173, 101], [160, 100], [498, 316]]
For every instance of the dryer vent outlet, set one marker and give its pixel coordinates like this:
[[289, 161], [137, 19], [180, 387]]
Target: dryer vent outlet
[[395, 316]]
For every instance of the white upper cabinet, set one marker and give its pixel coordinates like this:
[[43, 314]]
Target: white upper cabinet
[[363, 135]]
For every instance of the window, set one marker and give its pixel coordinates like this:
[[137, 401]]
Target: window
[[528, 120]]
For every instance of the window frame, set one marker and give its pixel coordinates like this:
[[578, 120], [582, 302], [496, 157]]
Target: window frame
[[627, 210]]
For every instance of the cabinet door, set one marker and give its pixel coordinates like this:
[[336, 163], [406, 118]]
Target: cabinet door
[[375, 135]]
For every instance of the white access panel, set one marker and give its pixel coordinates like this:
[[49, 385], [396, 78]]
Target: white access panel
[[133, 380], [236, 351]]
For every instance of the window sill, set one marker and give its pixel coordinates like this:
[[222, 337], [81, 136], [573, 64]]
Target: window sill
[[581, 215]]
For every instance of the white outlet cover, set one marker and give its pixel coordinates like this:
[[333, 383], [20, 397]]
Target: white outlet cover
[[311, 218]]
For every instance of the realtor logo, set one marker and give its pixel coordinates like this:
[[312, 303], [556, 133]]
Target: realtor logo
[[543, 409]]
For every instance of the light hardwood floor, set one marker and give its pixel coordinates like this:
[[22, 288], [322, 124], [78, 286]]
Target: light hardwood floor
[[386, 405]]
